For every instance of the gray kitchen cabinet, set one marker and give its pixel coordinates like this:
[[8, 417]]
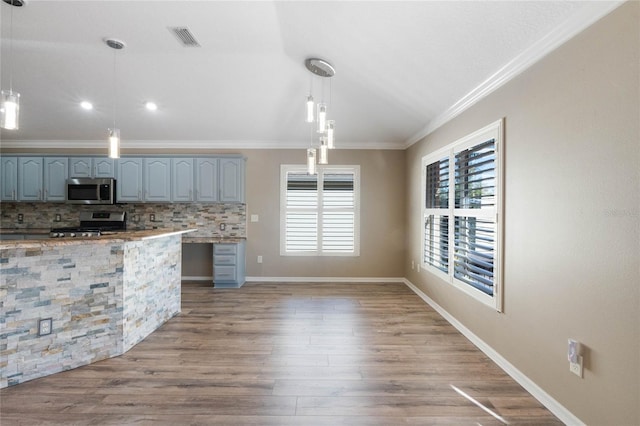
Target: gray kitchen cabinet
[[9, 178], [183, 179], [30, 178], [91, 167], [55, 178], [207, 179], [231, 180], [129, 180], [229, 265], [157, 179]]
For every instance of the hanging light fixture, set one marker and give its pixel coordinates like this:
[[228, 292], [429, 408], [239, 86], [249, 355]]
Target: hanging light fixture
[[331, 124], [325, 128], [114, 132], [10, 100]]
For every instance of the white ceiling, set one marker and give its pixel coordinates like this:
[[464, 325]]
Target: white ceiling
[[402, 67]]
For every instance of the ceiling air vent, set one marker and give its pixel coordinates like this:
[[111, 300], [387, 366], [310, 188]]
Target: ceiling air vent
[[184, 35]]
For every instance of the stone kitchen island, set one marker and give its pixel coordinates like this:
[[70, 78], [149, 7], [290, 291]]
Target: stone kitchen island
[[72, 302]]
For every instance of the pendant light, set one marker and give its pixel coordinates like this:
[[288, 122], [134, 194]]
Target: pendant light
[[10, 100], [114, 132], [331, 124], [325, 128]]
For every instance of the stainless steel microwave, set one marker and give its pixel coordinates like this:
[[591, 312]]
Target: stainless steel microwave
[[91, 191]]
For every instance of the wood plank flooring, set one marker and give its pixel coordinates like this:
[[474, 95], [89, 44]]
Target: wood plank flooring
[[287, 354]]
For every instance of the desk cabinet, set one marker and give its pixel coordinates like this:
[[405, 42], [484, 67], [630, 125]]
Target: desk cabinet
[[229, 265]]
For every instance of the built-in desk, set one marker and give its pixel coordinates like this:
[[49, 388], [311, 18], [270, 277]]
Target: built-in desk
[[228, 260]]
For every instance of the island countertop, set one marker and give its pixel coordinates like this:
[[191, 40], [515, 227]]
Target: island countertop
[[105, 238]]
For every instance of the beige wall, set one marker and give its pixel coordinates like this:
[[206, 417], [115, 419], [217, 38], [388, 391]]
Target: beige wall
[[382, 243], [572, 229]]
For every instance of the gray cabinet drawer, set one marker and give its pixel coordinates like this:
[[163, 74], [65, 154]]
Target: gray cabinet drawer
[[224, 273], [224, 259], [231, 249]]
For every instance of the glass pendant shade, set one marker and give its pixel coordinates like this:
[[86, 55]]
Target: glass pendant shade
[[309, 109], [322, 117], [331, 125], [311, 161], [324, 151], [10, 108], [114, 143]]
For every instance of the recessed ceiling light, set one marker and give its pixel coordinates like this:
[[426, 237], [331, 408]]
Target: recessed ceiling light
[[86, 105], [151, 106]]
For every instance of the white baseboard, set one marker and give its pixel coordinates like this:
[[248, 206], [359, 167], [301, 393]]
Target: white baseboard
[[394, 280], [536, 391], [197, 278]]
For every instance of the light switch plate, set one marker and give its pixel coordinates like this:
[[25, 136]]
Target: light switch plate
[[254, 218]]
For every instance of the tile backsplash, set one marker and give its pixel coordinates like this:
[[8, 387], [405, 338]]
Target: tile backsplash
[[206, 217]]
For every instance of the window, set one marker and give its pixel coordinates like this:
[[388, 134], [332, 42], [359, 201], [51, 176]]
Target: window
[[462, 214], [320, 213]]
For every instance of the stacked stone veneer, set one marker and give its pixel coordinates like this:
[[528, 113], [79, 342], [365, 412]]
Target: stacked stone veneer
[[206, 217], [102, 297], [151, 282]]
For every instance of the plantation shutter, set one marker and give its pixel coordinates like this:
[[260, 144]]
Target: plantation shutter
[[301, 224], [436, 218], [475, 229], [338, 213], [319, 213]]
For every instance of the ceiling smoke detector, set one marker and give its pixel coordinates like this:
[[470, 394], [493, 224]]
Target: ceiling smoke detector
[[185, 36]]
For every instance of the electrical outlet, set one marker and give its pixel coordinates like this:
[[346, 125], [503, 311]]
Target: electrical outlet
[[576, 367], [418, 267], [152, 217], [58, 217], [413, 265], [45, 326], [20, 218], [259, 259], [223, 226]]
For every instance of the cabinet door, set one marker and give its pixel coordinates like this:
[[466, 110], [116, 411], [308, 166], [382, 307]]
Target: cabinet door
[[80, 167], [207, 179], [129, 179], [157, 179], [104, 167], [30, 178], [183, 179], [9, 176], [231, 180], [55, 178]]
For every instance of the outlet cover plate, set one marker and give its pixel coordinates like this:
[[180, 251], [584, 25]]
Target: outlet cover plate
[[45, 326], [576, 367]]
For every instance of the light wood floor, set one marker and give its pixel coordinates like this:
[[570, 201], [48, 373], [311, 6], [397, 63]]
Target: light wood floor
[[287, 354]]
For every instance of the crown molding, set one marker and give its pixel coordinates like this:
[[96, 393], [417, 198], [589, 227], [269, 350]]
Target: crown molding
[[187, 144], [588, 15]]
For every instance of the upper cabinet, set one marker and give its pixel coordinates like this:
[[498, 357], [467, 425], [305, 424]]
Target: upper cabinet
[[179, 179], [9, 179], [231, 180], [129, 180], [182, 182], [157, 180], [30, 179], [55, 178], [88, 167], [207, 180]]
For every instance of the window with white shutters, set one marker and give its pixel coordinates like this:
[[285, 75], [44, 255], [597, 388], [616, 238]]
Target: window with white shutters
[[462, 202], [320, 213]]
